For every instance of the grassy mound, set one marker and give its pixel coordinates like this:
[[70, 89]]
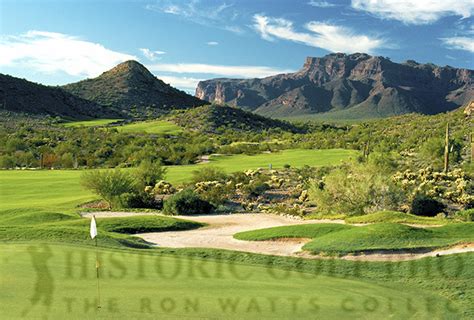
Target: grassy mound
[[395, 217], [297, 231], [37, 225], [336, 239], [138, 224]]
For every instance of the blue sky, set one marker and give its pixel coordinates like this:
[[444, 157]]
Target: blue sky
[[182, 42]]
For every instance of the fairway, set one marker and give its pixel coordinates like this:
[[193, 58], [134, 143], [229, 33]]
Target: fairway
[[90, 123], [155, 127], [293, 157], [58, 282], [61, 189]]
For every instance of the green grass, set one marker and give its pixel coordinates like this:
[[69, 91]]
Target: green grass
[[296, 231], [31, 224], [294, 157], [61, 189], [345, 239], [395, 217], [154, 126], [58, 282], [42, 189], [90, 123]]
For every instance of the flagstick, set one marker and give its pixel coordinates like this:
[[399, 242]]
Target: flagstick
[[97, 271]]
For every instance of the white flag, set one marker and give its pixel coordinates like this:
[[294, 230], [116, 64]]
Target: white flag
[[93, 228]]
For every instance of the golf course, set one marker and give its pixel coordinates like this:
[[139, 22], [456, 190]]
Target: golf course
[[48, 260]]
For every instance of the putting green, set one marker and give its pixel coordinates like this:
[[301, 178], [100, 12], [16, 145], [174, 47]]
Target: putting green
[[59, 282]]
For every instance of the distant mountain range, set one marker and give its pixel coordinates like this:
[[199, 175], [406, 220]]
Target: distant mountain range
[[347, 86], [127, 90], [355, 85]]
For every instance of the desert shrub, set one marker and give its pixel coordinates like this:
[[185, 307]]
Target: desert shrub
[[208, 174], [255, 188], [186, 202], [465, 215], [355, 189], [148, 173], [423, 205], [215, 192], [142, 200], [109, 185]]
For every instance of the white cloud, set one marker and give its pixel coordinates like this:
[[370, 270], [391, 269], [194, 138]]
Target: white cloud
[[212, 43], [322, 35], [415, 12], [184, 83], [221, 70], [218, 16], [151, 55], [51, 52], [460, 43], [321, 4]]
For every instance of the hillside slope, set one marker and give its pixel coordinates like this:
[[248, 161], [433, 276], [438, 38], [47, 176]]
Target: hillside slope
[[361, 84], [212, 118], [22, 96], [132, 89]]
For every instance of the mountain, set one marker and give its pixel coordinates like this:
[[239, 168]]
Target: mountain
[[214, 118], [22, 96], [357, 84], [132, 89]]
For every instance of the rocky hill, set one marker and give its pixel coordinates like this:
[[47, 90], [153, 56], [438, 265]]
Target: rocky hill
[[214, 118], [29, 98], [131, 89], [357, 84]]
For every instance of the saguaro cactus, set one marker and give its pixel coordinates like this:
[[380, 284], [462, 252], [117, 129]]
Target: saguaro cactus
[[446, 150]]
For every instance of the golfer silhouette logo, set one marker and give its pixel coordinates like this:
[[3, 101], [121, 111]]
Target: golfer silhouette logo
[[44, 284]]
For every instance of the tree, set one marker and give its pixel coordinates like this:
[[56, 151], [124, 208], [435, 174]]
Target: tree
[[148, 173], [356, 189], [109, 184]]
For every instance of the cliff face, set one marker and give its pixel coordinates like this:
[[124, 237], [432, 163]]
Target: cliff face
[[359, 83]]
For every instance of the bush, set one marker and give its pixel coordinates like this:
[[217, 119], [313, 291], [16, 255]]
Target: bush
[[354, 190], [465, 215], [208, 174], [109, 185], [255, 188], [215, 192], [423, 205], [142, 200], [148, 173], [186, 202]]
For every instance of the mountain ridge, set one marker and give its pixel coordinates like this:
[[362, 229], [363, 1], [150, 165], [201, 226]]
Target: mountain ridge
[[372, 85], [131, 89], [26, 97]]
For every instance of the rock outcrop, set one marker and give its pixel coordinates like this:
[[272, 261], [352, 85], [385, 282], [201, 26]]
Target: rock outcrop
[[369, 86]]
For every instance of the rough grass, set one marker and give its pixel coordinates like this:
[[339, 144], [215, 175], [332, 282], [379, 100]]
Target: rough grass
[[395, 217], [336, 239], [154, 127]]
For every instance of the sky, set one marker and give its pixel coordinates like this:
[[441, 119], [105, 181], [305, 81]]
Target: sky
[[183, 42]]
